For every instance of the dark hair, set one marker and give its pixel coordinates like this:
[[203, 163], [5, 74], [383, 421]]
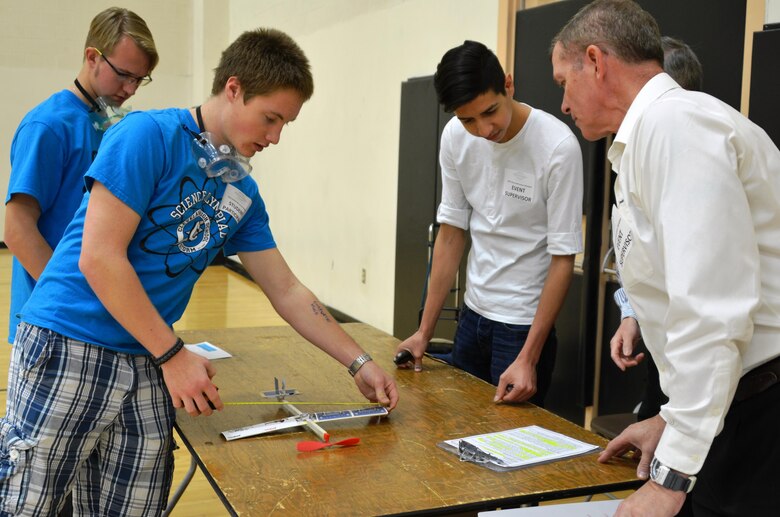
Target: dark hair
[[681, 63], [264, 61], [466, 72], [619, 27]]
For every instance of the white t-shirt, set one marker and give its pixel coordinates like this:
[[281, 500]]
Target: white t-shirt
[[696, 228], [522, 202]]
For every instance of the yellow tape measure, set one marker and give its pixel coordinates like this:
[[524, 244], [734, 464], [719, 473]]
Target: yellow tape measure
[[295, 403]]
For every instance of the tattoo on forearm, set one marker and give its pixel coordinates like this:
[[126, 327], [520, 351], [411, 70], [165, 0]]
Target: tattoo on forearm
[[317, 308]]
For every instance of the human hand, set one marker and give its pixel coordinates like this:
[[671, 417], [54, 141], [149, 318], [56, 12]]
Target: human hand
[[416, 344], [376, 385], [642, 438], [622, 344], [188, 378], [652, 500], [517, 383]]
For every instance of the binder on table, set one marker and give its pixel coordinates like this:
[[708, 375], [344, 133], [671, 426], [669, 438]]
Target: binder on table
[[516, 448]]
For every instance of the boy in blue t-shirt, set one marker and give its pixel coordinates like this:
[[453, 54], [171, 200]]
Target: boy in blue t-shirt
[[57, 140], [97, 371]]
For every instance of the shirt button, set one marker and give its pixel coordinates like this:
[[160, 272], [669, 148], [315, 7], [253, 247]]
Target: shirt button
[[13, 454]]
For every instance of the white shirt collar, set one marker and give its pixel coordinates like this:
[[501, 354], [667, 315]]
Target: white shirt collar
[[652, 90]]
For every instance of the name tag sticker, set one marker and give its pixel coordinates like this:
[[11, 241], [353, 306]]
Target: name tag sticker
[[631, 258], [519, 190], [235, 202], [623, 238]]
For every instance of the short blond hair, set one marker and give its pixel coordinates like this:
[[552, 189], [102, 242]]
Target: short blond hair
[[111, 25]]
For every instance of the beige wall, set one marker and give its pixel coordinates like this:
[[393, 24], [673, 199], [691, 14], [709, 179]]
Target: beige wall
[[41, 49], [772, 11], [42, 42], [331, 184]]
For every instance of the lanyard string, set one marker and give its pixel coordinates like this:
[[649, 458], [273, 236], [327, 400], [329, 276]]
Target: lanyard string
[[201, 125], [95, 105]]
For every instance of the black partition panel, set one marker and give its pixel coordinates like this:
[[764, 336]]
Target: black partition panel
[[715, 29], [419, 193], [572, 386], [765, 81], [417, 180]]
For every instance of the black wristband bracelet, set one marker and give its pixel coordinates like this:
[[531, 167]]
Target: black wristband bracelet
[[159, 361]]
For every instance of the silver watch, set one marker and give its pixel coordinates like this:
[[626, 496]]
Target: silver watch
[[668, 478], [357, 363]]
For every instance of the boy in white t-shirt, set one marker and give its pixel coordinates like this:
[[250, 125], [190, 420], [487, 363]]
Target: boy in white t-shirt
[[512, 177]]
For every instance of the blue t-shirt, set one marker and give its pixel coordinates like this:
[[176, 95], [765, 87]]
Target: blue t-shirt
[[146, 161], [52, 149]]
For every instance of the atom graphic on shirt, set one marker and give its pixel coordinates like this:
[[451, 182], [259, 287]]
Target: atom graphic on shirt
[[184, 231]]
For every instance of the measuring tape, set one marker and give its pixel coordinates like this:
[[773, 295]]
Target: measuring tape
[[296, 403]]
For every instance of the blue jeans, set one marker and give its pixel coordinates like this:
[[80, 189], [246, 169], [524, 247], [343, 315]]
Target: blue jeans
[[485, 349]]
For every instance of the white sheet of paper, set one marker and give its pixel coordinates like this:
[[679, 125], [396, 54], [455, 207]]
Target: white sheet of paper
[[526, 446], [208, 350], [590, 509]]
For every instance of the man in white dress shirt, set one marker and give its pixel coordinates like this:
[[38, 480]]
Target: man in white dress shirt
[[682, 65], [696, 228]]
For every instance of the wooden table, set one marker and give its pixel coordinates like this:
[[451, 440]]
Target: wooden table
[[397, 467]]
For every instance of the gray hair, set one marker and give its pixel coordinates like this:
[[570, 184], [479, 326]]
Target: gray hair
[[618, 27]]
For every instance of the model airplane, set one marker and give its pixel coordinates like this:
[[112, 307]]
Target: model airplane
[[299, 418]]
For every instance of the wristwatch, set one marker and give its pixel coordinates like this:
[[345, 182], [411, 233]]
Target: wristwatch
[[668, 478], [357, 363]]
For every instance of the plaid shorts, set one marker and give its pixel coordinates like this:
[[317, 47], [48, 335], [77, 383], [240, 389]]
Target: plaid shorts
[[83, 418]]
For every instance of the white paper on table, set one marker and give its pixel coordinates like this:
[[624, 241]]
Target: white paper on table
[[589, 509], [523, 446], [208, 350]]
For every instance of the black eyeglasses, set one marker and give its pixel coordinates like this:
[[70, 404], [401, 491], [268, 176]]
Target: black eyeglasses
[[126, 77]]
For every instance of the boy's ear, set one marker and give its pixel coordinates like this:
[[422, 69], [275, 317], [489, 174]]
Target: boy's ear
[[508, 82], [91, 55], [509, 86], [233, 89]]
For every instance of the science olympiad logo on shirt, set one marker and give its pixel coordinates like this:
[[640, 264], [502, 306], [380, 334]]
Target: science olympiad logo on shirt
[[196, 223], [196, 228]]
